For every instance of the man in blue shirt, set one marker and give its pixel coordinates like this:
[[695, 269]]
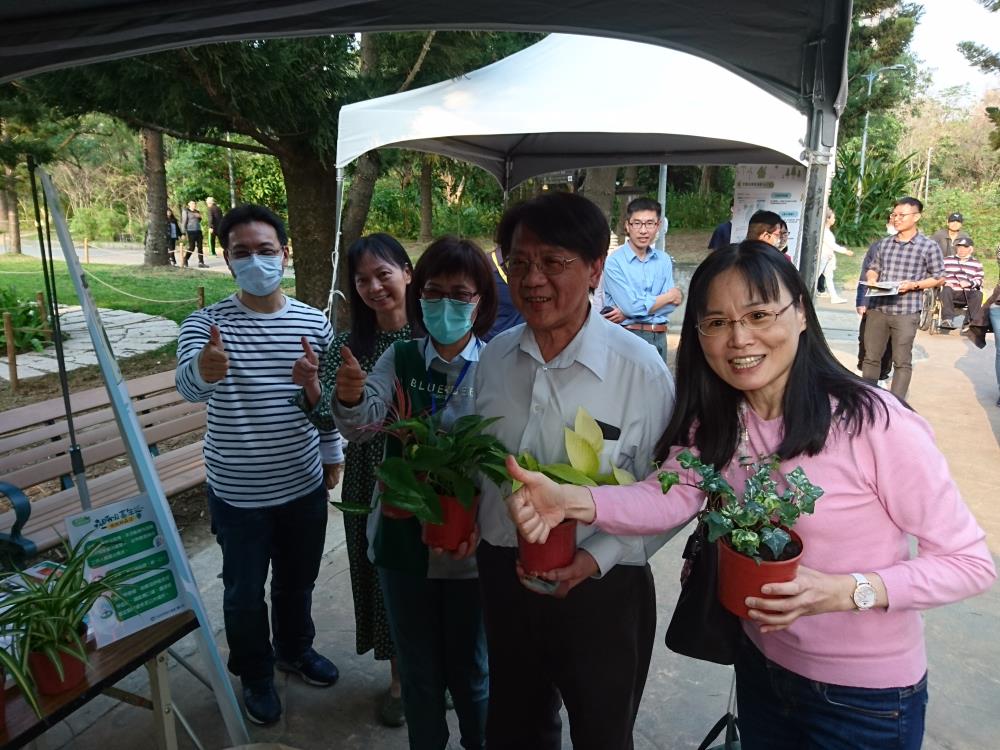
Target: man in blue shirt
[[639, 279]]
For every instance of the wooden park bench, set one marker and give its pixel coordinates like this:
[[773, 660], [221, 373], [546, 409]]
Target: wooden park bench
[[35, 460]]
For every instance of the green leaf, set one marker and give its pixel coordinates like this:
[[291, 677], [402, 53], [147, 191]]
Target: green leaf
[[668, 479], [623, 476], [527, 461], [776, 540], [582, 456], [717, 525], [566, 474], [352, 509], [586, 427]]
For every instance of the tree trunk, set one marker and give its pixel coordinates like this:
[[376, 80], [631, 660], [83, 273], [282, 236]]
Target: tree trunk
[[599, 187], [426, 199], [359, 198], [13, 236], [707, 180], [631, 175], [311, 188], [156, 244]]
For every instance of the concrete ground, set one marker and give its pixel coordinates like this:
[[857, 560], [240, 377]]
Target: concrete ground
[[953, 387]]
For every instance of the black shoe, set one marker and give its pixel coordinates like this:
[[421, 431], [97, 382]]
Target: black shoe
[[977, 335], [202, 265], [261, 702], [946, 325], [312, 668]]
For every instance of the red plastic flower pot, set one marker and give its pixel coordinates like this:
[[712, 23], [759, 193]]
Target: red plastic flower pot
[[556, 552], [741, 576], [456, 527], [47, 678], [388, 509]]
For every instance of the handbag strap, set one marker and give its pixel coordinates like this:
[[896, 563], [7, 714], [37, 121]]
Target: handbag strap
[[727, 722]]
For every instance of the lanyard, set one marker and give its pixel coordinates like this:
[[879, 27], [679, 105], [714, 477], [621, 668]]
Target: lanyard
[[458, 382]]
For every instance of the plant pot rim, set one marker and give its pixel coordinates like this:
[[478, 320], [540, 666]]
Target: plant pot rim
[[791, 533]]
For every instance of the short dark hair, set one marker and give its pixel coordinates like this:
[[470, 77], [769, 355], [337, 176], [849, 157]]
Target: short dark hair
[[643, 204], [448, 256], [566, 220], [763, 221], [244, 215], [909, 200], [364, 324], [707, 404]]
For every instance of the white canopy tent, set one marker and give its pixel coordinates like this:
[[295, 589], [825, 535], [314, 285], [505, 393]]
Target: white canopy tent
[[572, 101]]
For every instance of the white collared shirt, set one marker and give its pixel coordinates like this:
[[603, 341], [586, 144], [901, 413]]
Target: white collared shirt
[[614, 375]]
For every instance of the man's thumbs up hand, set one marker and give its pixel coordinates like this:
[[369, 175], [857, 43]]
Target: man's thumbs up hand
[[305, 372], [213, 362], [350, 379]]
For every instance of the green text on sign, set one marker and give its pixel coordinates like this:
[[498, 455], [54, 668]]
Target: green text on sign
[[143, 596], [121, 544]]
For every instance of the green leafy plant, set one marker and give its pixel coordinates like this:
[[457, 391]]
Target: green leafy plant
[[28, 330], [757, 523], [583, 449], [46, 616], [885, 180]]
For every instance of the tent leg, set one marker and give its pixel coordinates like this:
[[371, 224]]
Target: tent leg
[[813, 214], [331, 311], [661, 197]]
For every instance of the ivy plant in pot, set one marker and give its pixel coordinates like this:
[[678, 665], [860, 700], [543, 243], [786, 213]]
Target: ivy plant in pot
[[584, 444], [435, 477], [757, 543], [45, 622]]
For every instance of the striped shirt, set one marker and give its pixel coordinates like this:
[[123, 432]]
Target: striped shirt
[[260, 450], [963, 273], [894, 260]]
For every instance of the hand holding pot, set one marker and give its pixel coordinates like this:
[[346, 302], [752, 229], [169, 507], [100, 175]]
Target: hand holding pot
[[583, 567], [809, 593], [541, 504], [465, 549], [350, 379]]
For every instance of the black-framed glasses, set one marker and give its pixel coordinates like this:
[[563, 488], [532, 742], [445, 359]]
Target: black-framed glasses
[[264, 252], [649, 224], [433, 294], [755, 320], [550, 265]]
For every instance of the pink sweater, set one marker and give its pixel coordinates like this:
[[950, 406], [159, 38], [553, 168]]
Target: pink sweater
[[880, 487]]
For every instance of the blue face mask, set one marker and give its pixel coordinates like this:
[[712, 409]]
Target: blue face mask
[[259, 274], [447, 320]]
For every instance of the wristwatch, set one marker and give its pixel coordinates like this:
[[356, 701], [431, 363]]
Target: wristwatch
[[864, 593]]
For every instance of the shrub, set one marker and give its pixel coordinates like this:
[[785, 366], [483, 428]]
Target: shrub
[[696, 211], [884, 181], [28, 335]]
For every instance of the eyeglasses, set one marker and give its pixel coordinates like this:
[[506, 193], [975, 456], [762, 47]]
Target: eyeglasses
[[755, 320], [900, 216], [644, 224], [436, 295], [266, 252], [550, 265]]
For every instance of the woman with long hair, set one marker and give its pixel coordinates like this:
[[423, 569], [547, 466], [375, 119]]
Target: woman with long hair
[[836, 658], [380, 272]]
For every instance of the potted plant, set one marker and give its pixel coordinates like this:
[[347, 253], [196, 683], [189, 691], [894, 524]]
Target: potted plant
[[44, 620], [757, 544], [435, 477], [584, 444]]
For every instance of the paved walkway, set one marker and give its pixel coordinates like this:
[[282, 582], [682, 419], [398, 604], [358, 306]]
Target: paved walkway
[[953, 386]]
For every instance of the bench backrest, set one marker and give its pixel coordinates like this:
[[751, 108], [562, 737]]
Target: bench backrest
[[34, 439]]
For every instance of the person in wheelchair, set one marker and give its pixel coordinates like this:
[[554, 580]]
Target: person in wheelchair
[[963, 284]]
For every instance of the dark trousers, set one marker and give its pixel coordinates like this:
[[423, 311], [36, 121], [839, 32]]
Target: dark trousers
[[211, 241], [195, 242], [972, 299], [780, 710], [591, 648], [900, 330], [437, 628], [289, 539], [885, 366]]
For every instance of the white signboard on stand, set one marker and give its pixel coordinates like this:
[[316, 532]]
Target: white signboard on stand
[[770, 187]]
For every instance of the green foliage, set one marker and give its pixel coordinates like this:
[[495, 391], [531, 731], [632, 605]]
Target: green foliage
[[978, 208], [100, 223], [696, 211], [197, 170], [46, 616], [28, 335], [885, 180], [439, 460], [757, 523]]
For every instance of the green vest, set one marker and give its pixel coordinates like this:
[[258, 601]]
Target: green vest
[[397, 544]]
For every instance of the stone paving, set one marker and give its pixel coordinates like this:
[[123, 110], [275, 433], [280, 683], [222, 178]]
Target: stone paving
[[129, 333]]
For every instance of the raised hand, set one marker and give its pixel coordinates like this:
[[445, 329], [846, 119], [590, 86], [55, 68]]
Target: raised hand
[[213, 362], [350, 379], [305, 372]]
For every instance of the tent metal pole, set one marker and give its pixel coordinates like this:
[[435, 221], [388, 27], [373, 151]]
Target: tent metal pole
[[331, 311], [818, 156], [661, 197]]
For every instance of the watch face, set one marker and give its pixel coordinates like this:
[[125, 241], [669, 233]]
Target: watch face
[[864, 596]]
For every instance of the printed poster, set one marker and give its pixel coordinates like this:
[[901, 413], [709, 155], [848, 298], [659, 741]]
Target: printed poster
[[770, 187], [130, 538]]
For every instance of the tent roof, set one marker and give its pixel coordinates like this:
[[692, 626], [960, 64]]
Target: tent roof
[[795, 49], [571, 101]]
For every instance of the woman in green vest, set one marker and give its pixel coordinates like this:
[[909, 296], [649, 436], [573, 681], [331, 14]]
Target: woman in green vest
[[432, 599], [380, 273]]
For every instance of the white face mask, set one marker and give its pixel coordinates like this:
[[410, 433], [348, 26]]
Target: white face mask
[[259, 275]]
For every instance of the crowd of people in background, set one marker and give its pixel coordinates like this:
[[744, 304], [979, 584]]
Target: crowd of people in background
[[189, 230], [544, 324]]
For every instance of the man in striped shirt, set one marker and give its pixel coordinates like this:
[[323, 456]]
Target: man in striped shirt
[[963, 283], [269, 469], [911, 262]]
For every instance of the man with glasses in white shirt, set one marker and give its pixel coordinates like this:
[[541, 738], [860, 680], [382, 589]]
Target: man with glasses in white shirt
[[588, 642], [639, 279]]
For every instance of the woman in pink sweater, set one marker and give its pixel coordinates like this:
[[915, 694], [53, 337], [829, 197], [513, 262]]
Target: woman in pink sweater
[[838, 661]]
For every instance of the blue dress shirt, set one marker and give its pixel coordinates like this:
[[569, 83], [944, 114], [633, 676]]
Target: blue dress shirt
[[632, 285]]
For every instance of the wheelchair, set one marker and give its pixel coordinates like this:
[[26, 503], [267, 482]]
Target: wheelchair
[[930, 314]]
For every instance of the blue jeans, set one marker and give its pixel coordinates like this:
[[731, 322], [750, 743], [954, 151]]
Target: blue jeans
[[289, 539], [659, 340], [995, 323], [437, 627], [779, 709]]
